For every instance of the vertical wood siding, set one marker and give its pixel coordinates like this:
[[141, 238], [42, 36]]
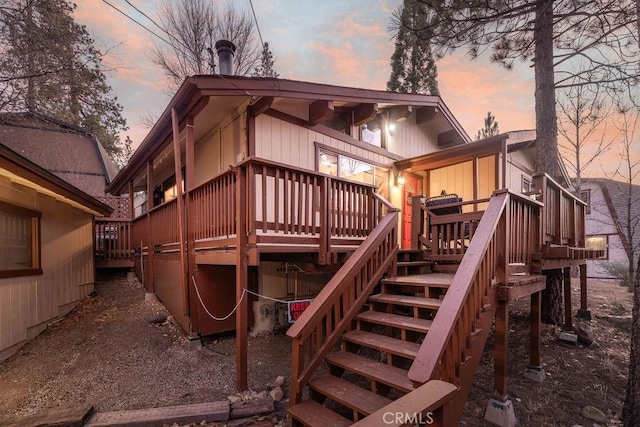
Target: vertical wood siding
[[67, 263], [288, 143]]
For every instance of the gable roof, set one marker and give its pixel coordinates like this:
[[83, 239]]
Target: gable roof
[[620, 196], [230, 92], [23, 171], [67, 151]]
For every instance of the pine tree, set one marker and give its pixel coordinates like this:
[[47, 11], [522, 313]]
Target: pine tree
[[490, 127], [413, 69], [49, 65], [265, 68]]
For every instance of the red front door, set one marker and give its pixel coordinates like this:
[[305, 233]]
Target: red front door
[[409, 190]]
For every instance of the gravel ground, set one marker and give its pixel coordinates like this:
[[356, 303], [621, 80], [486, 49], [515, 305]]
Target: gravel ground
[[114, 352]]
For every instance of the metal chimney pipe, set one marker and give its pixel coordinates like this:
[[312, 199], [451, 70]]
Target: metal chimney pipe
[[226, 50]]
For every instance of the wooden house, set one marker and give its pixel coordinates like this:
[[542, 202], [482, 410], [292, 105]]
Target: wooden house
[[610, 206], [76, 156], [46, 248], [410, 237]]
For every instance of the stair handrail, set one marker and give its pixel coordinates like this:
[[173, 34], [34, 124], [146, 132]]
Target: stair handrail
[[450, 332], [321, 325], [420, 406]]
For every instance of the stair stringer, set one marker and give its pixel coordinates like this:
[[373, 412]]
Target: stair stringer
[[454, 408]]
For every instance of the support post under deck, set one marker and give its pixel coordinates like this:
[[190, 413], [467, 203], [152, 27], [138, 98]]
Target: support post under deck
[[583, 312], [568, 316]]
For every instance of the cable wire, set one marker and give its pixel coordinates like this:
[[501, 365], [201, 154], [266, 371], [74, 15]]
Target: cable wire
[[256, 20]]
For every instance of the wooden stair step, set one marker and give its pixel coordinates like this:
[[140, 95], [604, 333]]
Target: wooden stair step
[[433, 280], [313, 414], [420, 302], [368, 368], [384, 343], [414, 263], [395, 320], [350, 395]]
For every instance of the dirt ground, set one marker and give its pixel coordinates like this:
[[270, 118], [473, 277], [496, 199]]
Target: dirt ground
[[117, 352]]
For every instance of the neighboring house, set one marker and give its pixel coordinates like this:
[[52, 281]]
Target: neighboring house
[[66, 151], [46, 248], [610, 204], [295, 190]]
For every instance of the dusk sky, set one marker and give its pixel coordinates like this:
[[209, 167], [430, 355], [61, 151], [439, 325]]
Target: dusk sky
[[334, 41]]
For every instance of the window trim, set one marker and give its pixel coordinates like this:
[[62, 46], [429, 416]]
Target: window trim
[[36, 250], [525, 179]]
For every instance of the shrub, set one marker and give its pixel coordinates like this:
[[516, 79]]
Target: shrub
[[619, 270]]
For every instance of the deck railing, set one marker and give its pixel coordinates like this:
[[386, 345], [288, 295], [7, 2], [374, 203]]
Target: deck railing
[[507, 221], [563, 221], [285, 205], [321, 325], [212, 208], [113, 239]]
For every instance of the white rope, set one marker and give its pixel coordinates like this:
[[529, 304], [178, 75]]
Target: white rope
[[266, 297], [244, 291]]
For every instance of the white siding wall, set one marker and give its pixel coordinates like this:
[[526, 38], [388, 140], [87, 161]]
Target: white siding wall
[[27, 304], [294, 145], [599, 222]]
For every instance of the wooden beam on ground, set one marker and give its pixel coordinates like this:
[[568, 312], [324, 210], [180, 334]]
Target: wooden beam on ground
[[262, 105], [364, 113], [250, 408], [449, 138], [320, 111], [534, 320], [242, 280], [67, 417], [185, 414], [425, 114]]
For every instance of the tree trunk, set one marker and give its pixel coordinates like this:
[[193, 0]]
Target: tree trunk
[[546, 136], [552, 308], [631, 409]]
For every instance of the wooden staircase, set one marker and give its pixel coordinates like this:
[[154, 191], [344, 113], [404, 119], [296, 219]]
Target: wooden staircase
[[371, 368], [414, 342]]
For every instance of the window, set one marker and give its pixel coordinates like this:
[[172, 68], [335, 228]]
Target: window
[[346, 167], [19, 241], [526, 184], [585, 195], [598, 243]]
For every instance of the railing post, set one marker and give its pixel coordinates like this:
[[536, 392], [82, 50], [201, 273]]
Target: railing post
[[325, 221], [417, 221]]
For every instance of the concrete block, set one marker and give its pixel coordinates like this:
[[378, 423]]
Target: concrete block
[[568, 338], [584, 314], [500, 413], [194, 343], [150, 297], [535, 373], [131, 276]]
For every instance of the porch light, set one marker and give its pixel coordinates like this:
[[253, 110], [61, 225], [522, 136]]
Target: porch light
[[400, 179], [391, 127]]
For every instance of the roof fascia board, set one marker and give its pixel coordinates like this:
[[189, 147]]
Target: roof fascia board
[[20, 166]]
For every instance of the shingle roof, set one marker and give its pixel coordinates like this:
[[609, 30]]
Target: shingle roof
[[624, 203], [67, 151]]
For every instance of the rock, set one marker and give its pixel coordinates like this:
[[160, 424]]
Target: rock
[[577, 425], [263, 394], [276, 394], [280, 380], [234, 398], [594, 414], [584, 332]]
